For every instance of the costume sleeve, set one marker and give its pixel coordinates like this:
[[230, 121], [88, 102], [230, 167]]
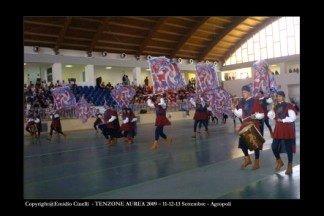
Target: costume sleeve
[[291, 117], [237, 112], [202, 102], [112, 118], [271, 114], [259, 115], [126, 120], [269, 100], [162, 103], [150, 104]]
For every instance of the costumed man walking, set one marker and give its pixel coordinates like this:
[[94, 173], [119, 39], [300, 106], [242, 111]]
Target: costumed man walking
[[55, 125], [251, 112], [160, 121], [130, 122], [284, 133], [38, 122], [200, 115], [264, 104]]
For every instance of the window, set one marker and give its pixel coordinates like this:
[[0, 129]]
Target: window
[[280, 38]]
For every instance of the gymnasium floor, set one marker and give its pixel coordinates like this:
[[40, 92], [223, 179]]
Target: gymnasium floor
[[82, 166]]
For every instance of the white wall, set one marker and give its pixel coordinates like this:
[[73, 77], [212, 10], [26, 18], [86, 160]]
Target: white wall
[[32, 74], [145, 74], [72, 74], [294, 92], [286, 80], [26, 78], [234, 87]]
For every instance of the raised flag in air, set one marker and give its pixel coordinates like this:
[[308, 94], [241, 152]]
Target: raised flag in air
[[83, 110], [63, 98], [123, 95], [219, 100], [206, 77], [272, 83], [260, 78], [166, 75]]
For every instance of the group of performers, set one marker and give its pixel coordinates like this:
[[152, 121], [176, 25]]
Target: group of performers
[[34, 124], [252, 111], [111, 129], [108, 123]]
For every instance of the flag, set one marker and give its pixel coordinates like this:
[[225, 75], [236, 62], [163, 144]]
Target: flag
[[272, 83], [206, 77], [219, 100], [123, 95], [263, 79], [83, 110], [63, 98], [166, 75]]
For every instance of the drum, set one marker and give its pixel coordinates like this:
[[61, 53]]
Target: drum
[[251, 137], [33, 130]]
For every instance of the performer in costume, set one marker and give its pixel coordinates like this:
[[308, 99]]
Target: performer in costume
[[38, 122], [98, 120], [105, 130], [130, 122], [206, 114], [264, 103], [55, 125], [30, 122], [225, 117], [284, 133], [200, 115], [160, 121], [124, 127], [251, 112], [113, 125]]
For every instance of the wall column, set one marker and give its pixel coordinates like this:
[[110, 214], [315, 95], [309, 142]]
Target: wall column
[[57, 72], [137, 76], [282, 67], [43, 74], [89, 75]]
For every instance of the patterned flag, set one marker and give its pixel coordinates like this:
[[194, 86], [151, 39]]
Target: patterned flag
[[83, 110], [63, 98], [93, 111], [272, 82], [219, 100], [206, 77], [166, 75], [123, 95], [263, 79]]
